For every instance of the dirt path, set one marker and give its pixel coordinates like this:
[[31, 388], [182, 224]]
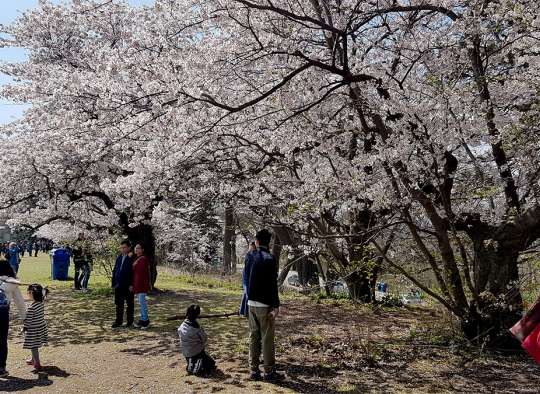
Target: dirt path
[[321, 348]]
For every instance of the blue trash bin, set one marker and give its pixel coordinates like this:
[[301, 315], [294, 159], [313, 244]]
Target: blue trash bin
[[60, 264]]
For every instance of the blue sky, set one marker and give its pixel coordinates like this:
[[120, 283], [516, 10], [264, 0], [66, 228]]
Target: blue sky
[[9, 10]]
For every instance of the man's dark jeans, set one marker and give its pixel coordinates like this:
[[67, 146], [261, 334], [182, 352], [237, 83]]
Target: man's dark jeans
[[85, 276], [4, 329], [121, 296], [79, 273]]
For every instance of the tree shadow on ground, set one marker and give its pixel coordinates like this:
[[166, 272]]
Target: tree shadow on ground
[[75, 318], [322, 348], [14, 384]]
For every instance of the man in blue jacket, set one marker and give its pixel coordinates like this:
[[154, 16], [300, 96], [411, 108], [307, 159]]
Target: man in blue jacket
[[263, 302], [13, 256], [122, 283]]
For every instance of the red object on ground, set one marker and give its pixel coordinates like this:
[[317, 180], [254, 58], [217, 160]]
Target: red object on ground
[[141, 275], [532, 344]]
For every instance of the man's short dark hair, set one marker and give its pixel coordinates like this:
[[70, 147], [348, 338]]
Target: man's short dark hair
[[263, 236], [126, 242]]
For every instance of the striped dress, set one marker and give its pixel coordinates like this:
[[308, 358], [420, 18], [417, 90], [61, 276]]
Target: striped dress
[[35, 326]]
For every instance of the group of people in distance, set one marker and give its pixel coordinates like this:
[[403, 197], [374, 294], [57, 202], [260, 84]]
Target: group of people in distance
[[31, 315], [24, 247], [260, 303]]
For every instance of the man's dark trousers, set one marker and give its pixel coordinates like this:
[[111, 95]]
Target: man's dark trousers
[[4, 328], [121, 296]]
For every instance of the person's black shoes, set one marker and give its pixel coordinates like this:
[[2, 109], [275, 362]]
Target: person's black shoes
[[143, 324], [273, 377], [116, 325], [255, 375], [129, 325], [3, 373]]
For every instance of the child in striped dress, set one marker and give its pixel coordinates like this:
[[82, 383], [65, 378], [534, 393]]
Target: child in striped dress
[[35, 327]]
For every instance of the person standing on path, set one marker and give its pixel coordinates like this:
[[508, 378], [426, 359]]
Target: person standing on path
[[244, 310], [122, 283], [13, 255], [35, 327], [82, 260], [141, 284], [9, 293], [263, 302]]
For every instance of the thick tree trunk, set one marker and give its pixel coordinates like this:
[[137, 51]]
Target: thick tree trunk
[[234, 259], [361, 285], [307, 273], [361, 281], [499, 304], [322, 271], [228, 240], [143, 234], [277, 247]]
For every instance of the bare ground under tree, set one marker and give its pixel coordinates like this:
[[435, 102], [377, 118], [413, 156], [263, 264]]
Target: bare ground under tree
[[322, 347]]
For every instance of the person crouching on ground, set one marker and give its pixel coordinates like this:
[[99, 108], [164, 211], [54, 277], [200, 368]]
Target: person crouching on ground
[[35, 327], [263, 303], [122, 283], [141, 284], [193, 341]]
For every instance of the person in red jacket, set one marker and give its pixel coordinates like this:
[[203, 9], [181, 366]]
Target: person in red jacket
[[141, 284]]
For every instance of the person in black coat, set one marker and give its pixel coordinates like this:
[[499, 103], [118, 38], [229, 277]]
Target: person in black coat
[[261, 272], [122, 283]]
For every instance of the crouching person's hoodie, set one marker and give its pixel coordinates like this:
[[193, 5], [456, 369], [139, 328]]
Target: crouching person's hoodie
[[192, 338]]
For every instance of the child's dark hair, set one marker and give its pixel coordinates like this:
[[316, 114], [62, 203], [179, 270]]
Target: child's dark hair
[[6, 269], [193, 312], [37, 292], [126, 242]]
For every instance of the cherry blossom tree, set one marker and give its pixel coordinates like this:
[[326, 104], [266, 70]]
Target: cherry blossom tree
[[392, 132]]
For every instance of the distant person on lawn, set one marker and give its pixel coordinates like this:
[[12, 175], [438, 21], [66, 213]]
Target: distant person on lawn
[[141, 284], [122, 283], [263, 301], [13, 255], [193, 342]]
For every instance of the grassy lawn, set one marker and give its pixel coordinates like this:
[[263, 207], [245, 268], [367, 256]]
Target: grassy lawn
[[323, 346]]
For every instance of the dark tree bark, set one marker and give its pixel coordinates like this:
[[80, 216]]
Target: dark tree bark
[[143, 234], [229, 240], [495, 270], [361, 282], [307, 271]]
